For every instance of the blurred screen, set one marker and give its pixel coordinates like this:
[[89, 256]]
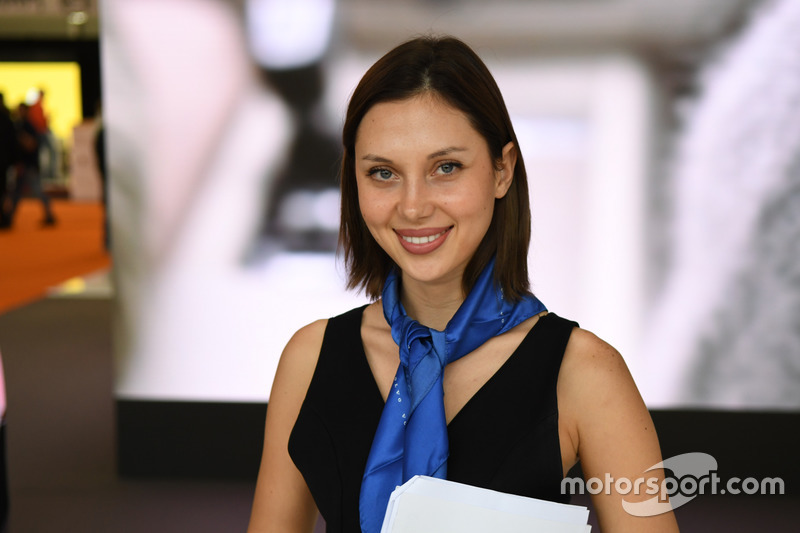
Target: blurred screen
[[223, 162]]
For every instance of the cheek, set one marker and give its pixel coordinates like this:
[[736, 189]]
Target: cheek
[[375, 220], [367, 203], [375, 213], [479, 204]]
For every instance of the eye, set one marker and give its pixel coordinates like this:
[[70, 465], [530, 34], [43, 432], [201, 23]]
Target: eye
[[380, 174], [448, 168]]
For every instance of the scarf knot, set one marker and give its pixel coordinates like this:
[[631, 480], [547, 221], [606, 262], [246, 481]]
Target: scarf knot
[[421, 363]]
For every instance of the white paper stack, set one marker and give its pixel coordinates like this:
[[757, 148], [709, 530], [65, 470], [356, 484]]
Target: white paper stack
[[429, 505]]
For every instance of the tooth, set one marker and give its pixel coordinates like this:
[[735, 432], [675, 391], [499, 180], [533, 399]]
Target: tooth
[[423, 240]]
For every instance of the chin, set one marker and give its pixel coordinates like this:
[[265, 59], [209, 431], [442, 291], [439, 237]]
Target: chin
[[432, 274]]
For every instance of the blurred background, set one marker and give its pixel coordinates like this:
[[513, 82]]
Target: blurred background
[[190, 165]]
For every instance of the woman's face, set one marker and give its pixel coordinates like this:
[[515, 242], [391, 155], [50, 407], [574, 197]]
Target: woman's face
[[427, 185]]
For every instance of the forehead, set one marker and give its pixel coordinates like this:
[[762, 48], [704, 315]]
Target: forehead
[[421, 122]]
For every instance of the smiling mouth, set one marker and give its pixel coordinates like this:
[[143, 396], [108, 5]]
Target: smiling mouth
[[424, 240]]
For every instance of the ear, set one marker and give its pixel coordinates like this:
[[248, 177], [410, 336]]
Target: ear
[[504, 174]]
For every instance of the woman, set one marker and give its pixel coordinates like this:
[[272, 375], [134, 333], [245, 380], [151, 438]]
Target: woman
[[435, 228]]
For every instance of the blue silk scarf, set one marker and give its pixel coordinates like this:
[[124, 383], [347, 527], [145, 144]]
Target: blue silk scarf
[[411, 438]]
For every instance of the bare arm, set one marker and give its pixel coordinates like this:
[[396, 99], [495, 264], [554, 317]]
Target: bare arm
[[612, 430], [282, 502]]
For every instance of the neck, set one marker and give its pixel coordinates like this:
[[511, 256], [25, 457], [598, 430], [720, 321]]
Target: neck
[[432, 305]]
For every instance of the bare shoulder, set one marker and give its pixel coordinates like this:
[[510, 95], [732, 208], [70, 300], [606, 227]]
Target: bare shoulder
[[595, 386], [294, 373], [609, 427], [309, 336], [282, 501], [588, 359], [299, 357]]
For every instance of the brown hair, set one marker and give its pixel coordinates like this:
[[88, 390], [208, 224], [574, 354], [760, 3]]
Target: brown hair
[[451, 70]]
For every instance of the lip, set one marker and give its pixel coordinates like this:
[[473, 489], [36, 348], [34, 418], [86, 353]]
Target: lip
[[426, 247]]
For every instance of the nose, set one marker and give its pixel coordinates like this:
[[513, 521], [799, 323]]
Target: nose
[[416, 200]]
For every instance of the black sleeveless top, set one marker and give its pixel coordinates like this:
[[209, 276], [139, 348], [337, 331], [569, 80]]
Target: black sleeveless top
[[505, 438]]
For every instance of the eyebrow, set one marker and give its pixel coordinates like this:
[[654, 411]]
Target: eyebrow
[[446, 151]]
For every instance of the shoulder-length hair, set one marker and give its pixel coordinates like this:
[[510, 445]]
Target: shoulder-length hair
[[451, 70]]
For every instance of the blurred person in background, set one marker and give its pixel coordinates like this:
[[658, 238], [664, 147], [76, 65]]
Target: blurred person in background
[[47, 147], [27, 168], [102, 169], [8, 153]]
